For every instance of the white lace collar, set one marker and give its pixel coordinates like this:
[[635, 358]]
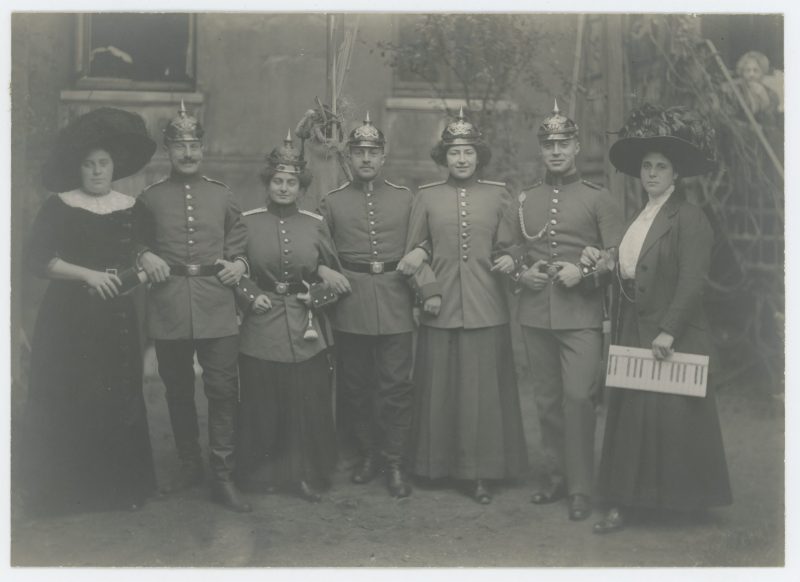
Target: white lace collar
[[111, 202]]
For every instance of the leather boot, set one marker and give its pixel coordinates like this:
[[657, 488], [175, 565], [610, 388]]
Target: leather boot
[[224, 493], [183, 418], [396, 480], [366, 470]]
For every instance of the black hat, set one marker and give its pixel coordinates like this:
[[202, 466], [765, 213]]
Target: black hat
[[679, 133], [121, 132]]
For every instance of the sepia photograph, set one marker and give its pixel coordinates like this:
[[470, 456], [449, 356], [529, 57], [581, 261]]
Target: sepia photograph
[[397, 288]]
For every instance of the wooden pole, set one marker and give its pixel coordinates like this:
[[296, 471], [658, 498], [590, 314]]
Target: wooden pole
[[576, 68], [615, 92]]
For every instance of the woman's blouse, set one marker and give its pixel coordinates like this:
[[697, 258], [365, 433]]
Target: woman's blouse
[[631, 245]]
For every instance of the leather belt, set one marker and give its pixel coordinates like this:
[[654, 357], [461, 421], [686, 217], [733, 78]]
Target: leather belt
[[195, 270], [282, 288], [374, 268]]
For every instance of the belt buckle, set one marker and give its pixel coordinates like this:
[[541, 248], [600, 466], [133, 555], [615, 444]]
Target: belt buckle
[[281, 288], [192, 270], [376, 267], [112, 272]]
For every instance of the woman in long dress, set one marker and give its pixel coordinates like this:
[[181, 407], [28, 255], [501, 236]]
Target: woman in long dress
[[286, 435], [468, 424], [662, 451], [85, 436]]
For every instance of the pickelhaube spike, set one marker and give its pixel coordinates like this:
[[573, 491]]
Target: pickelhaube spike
[[366, 136], [461, 131], [183, 127], [286, 158], [557, 126]]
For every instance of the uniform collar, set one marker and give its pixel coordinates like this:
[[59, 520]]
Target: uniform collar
[[558, 180], [468, 183], [282, 210], [363, 185], [184, 179]]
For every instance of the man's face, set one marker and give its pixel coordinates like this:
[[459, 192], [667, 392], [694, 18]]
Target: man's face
[[185, 156], [559, 155], [366, 162], [462, 161]]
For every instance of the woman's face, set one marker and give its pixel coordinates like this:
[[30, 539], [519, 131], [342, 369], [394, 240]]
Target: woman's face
[[284, 188], [657, 174], [751, 71], [462, 161], [97, 171]]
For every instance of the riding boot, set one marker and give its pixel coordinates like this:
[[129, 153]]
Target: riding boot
[[221, 436]]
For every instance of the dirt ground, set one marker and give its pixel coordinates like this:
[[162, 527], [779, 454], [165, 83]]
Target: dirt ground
[[438, 526]]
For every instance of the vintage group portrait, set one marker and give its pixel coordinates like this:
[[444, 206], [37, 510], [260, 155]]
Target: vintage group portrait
[[398, 289]]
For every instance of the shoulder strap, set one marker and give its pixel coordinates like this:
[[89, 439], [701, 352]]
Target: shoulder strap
[[254, 211], [311, 214]]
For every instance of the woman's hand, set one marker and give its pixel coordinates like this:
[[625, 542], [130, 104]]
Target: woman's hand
[[305, 297], [504, 264], [432, 305], [412, 262], [533, 278], [662, 346], [156, 268], [103, 284], [334, 280], [261, 304]]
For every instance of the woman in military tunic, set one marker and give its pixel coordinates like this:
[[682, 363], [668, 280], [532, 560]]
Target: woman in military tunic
[[468, 424], [286, 435], [85, 443]]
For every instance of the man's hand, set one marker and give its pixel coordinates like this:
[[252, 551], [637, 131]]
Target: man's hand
[[261, 304], [334, 280], [590, 256], [432, 305], [412, 262], [156, 268], [662, 345], [568, 275], [415, 315], [504, 264], [103, 284], [533, 278], [231, 272]]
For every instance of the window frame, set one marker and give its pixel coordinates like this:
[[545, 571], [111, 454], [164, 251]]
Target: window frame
[[83, 35]]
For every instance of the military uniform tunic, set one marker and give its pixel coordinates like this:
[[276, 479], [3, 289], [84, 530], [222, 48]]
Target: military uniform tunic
[[193, 221], [561, 327]]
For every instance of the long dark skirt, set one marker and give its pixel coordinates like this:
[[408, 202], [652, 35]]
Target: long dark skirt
[[285, 431], [468, 423], [85, 444], [661, 451]]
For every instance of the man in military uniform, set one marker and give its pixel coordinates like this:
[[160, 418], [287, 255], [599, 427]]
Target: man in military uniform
[[561, 309], [368, 220], [193, 253]]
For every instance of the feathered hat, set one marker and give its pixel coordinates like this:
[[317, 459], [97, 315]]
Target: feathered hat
[[679, 133], [286, 158], [366, 136], [122, 133]]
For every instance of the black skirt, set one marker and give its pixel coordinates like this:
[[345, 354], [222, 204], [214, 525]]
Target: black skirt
[[286, 430], [661, 451]]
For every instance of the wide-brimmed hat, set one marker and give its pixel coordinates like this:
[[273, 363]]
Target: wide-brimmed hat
[[679, 133], [121, 132]]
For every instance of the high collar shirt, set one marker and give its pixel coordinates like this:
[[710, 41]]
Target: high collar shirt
[[561, 216], [284, 245], [631, 246], [465, 223], [191, 220]]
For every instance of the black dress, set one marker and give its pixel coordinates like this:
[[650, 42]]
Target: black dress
[[86, 444]]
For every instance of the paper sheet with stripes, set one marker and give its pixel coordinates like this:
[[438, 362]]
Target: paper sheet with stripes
[[637, 369]]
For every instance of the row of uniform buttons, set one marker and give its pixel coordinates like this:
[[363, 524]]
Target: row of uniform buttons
[[463, 204], [285, 240], [553, 223], [189, 216], [371, 216]]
